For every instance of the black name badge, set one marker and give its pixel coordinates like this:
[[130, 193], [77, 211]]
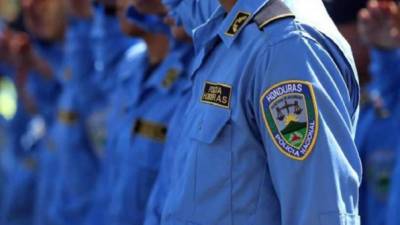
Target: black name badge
[[217, 94]]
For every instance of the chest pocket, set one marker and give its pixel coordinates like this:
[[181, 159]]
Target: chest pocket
[[211, 142], [209, 124]]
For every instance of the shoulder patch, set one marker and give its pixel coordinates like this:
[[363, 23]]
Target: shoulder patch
[[290, 114], [239, 21]]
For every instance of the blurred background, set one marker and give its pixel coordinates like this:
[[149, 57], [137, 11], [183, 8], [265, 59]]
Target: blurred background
[[56, 60]]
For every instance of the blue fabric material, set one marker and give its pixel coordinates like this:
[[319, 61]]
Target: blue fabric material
[[128, 75], [109, 45], [21, 187], [76, 161], [381, 181], [394, 197], [139, 153], [233, 171]]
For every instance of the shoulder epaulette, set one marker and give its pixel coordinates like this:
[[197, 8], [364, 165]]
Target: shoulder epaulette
[[272, 11]]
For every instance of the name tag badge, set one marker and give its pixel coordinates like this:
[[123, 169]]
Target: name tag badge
[[217, 94]]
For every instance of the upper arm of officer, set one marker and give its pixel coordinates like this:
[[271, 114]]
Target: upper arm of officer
[[301, 106]]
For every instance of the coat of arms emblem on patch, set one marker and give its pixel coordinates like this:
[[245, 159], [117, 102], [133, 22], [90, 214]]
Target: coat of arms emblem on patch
[[291, 116]]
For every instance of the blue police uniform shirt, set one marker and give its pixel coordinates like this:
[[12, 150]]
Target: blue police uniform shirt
[[77, 163], [17, 197], [377, 136], [142, 138], [269, 128], [109, 45], [377, 148], [47, 157], [19, 193], [170, 164], [200, 11], [128, 83], [16, 204], [46, 98], [385, 69], [112, 58], [393, 217]]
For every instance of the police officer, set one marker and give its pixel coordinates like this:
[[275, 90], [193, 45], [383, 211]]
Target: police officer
[[77, 162], [50, 27], [35, 63], [14, 171], [380, 25], [141, 142], [270, 124], [116, 64], [189, 15]]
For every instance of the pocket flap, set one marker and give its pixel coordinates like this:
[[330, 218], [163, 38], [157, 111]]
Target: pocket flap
[[208, 125]]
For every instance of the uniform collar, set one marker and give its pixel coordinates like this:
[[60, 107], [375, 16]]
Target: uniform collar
[[206, 32], [240, 15]]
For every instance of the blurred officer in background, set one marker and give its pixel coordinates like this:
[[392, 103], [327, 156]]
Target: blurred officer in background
[[268, 138], [77, 162], [379, 24], [160, 89], [36, 60], [116, 61], [15, 129], [4, 136], [344, 14], [379, 127], [187, 14]]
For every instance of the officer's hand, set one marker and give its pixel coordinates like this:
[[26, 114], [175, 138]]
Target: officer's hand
[[23, 57], [379, 24], [20, 83], [20, 50], [4, 43]]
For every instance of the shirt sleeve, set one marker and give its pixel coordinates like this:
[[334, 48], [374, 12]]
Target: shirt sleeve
[[304, 114]]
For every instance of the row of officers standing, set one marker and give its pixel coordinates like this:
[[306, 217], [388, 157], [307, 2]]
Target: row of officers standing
[[198, 112]]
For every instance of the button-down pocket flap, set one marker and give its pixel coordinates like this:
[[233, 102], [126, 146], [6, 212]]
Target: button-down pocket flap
[[209, 124]]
